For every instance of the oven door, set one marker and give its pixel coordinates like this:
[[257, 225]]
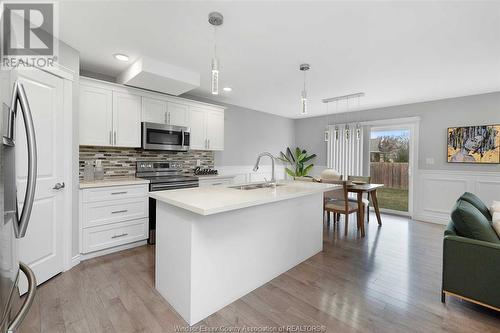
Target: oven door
[[164, 137]]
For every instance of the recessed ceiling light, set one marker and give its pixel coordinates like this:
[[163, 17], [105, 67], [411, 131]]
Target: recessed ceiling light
[[121, 57], [228, 89]]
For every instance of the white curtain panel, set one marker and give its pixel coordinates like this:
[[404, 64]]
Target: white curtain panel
[[345, 149]]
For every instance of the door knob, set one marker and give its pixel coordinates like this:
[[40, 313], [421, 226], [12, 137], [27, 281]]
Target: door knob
[[58, 186]]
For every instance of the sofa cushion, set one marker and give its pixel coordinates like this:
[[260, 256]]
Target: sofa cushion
[[495, 207], [495, 222], [471, 223], [476, 202]]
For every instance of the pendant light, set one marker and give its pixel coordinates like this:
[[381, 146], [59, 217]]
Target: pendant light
[[215, 19], [303, 96]]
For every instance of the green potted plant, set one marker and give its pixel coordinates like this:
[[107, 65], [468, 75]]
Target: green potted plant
[[297, 161]]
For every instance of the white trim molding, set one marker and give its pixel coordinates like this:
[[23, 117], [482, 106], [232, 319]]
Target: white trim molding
[[438, 190]]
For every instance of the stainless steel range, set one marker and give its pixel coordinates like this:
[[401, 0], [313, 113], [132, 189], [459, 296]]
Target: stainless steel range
[[162, 176]]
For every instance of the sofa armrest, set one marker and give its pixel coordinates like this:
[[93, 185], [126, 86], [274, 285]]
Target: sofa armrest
[[471, 268]]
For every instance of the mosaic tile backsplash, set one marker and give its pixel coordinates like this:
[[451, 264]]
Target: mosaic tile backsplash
[[120, 162]]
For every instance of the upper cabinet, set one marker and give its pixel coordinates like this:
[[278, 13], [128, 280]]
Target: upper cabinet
[[96, 116], [215, 130], [207, 128], [164, 112], [126, 120], [177, 114], [154, 110], [111, 115]]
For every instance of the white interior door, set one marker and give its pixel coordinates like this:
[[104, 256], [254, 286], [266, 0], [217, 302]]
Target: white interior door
[[41, 248]]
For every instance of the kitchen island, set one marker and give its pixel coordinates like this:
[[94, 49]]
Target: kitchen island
[[216, 244]]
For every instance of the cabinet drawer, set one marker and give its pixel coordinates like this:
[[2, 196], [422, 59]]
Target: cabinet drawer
[[114, 193], [103, 237], [106, 212]]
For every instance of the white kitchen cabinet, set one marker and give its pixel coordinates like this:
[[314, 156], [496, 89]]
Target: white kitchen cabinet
[[113, 216], [197, 124], [177, 114], [215, 130], [96, 116], [207, 129], [111, 115], [126, 120], [154, 110], [164, 112]]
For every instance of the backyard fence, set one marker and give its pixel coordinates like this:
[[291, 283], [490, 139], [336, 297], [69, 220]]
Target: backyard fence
[[394, 175]]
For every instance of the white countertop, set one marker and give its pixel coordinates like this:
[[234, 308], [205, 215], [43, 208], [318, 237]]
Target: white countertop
[[113, 182], [218, 199]]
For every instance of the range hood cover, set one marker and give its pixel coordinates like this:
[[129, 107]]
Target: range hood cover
[[151, 74]]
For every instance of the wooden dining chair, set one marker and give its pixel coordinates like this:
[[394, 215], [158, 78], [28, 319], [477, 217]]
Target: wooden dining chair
[[339, 203], [366, 201]]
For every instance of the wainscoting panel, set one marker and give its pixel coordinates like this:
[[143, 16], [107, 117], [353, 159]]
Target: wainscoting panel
[[437, 191]]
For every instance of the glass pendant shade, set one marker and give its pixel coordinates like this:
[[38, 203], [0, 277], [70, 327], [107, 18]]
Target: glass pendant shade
[[215, 77], [303, 102]]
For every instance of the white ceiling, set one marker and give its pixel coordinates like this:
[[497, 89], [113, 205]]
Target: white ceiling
[[395, 52]]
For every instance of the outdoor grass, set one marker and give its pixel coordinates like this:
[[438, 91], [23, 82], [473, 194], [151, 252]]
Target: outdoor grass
[[393, 198]]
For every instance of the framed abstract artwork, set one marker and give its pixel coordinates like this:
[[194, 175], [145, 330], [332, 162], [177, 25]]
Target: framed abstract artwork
[[474, 144]]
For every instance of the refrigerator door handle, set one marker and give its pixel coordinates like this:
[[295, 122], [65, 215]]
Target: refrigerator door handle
[[28, 301], [20, 95]]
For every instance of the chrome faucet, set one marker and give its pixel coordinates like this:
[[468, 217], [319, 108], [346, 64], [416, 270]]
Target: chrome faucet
[[256, 167]]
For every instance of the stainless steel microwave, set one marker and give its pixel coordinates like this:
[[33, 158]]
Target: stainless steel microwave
[[165, 137]]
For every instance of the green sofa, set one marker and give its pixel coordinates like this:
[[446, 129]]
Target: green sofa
[[471, 254]]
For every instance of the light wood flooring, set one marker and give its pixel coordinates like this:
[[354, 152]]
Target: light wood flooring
[[388, 281]]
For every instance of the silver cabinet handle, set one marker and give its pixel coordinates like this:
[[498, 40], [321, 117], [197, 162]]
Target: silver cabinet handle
[[115, 138], [21, 222], [208, 143], [118, 236], [114, 193], [119, 211], [166, 117], [110, 137], [59, 186], [169, 117], [28, 301]]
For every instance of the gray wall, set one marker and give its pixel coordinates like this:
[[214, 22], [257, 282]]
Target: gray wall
[[248, 132], [435, 118]]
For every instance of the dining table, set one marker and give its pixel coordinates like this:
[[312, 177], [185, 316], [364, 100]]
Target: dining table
[[371, 191]]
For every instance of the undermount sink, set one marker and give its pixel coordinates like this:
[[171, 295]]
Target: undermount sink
[[254, 186]]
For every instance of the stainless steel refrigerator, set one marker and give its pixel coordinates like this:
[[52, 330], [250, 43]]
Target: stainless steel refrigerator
[[14, 220]]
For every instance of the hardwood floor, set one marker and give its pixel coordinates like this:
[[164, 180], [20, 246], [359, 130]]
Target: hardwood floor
[[388, 281]]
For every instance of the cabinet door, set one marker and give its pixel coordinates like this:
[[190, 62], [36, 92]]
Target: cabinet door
[[154, 110], [126, 120], [96, 116], [215, 130], [197, 125], [177, 114]]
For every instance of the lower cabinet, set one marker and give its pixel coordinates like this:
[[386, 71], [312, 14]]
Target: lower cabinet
[[111, 235], [113, 216]]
